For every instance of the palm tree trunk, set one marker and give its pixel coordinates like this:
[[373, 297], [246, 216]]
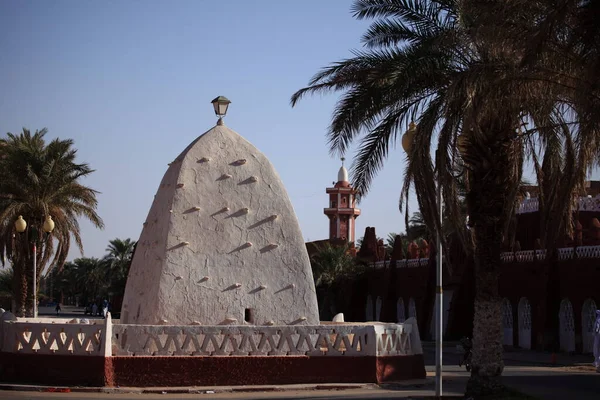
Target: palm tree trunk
[[492, 183], [487, 321], [19, 288]]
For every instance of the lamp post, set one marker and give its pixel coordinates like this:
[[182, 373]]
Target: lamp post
[[220, 105], [407, 142], [33, 238]]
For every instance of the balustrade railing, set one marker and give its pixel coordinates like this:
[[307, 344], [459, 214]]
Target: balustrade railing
[[108, 339], [367, 339], [40, 337]]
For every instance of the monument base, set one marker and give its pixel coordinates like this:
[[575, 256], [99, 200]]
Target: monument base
[[55, 369], [62, 370], [231, 371]]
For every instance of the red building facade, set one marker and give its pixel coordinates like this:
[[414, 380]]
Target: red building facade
[[543, 300]]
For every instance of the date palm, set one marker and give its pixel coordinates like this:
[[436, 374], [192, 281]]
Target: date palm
[[390, 240], [6, 278], [118, 260], [417, 228], [460, 70], [330, 264], [37, 179]]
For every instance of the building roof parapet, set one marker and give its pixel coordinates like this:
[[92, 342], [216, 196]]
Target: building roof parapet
[[588, 203], [566, 253]]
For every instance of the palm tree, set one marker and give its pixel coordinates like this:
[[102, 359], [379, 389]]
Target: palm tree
[[92, 273], [6, 278], [83, 278], [359, 242], [40, 179], [389, 242], [329, 265], [417, 228], [118, 259], [460, 69]]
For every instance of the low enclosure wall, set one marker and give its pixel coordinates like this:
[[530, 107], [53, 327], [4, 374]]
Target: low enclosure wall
[[107, 354]]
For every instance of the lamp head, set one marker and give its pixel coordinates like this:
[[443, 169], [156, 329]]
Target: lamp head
[[20, 224], [221, 104], [48, 224]]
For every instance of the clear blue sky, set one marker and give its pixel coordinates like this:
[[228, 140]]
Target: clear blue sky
[[131, 83]]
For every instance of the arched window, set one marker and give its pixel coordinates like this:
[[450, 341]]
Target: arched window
[[400, 311], [412, 308], [588, 317], [507, 323], [524, 320], [567, 326], [378, 303], [369, 309]]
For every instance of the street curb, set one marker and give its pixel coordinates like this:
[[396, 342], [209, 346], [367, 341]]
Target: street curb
[[406, 385], [185, 390]]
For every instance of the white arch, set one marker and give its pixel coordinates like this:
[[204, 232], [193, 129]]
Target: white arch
[[588, 317], [412, 308], [378, 303], [400, 310], [524, 319], [566, 326], [369, 309], [507, 322]]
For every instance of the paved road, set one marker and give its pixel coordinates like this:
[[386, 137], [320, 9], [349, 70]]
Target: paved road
[[548, 383], [354, 394], [578, 382], [66, 312]]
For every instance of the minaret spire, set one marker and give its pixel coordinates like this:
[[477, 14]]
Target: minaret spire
[[342, 211]]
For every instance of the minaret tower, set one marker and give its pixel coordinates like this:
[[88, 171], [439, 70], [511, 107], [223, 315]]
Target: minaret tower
[[342, 211]]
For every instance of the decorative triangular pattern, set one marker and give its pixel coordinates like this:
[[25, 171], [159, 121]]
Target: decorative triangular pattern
[[394, 340], [158, 340], [301, 340], [43, 338]]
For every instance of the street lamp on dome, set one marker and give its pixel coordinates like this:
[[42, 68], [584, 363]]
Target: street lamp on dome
[[220, 104], [407, 143], [32, 236]]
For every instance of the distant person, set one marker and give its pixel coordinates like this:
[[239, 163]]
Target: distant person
[[597, 342], [94, 309], [104, 308], [57, 309]]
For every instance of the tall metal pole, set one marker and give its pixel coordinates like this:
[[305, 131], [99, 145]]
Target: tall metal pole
[[439, 318], [34, 281]]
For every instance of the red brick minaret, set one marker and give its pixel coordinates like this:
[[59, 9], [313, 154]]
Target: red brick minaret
[[342, 211]]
